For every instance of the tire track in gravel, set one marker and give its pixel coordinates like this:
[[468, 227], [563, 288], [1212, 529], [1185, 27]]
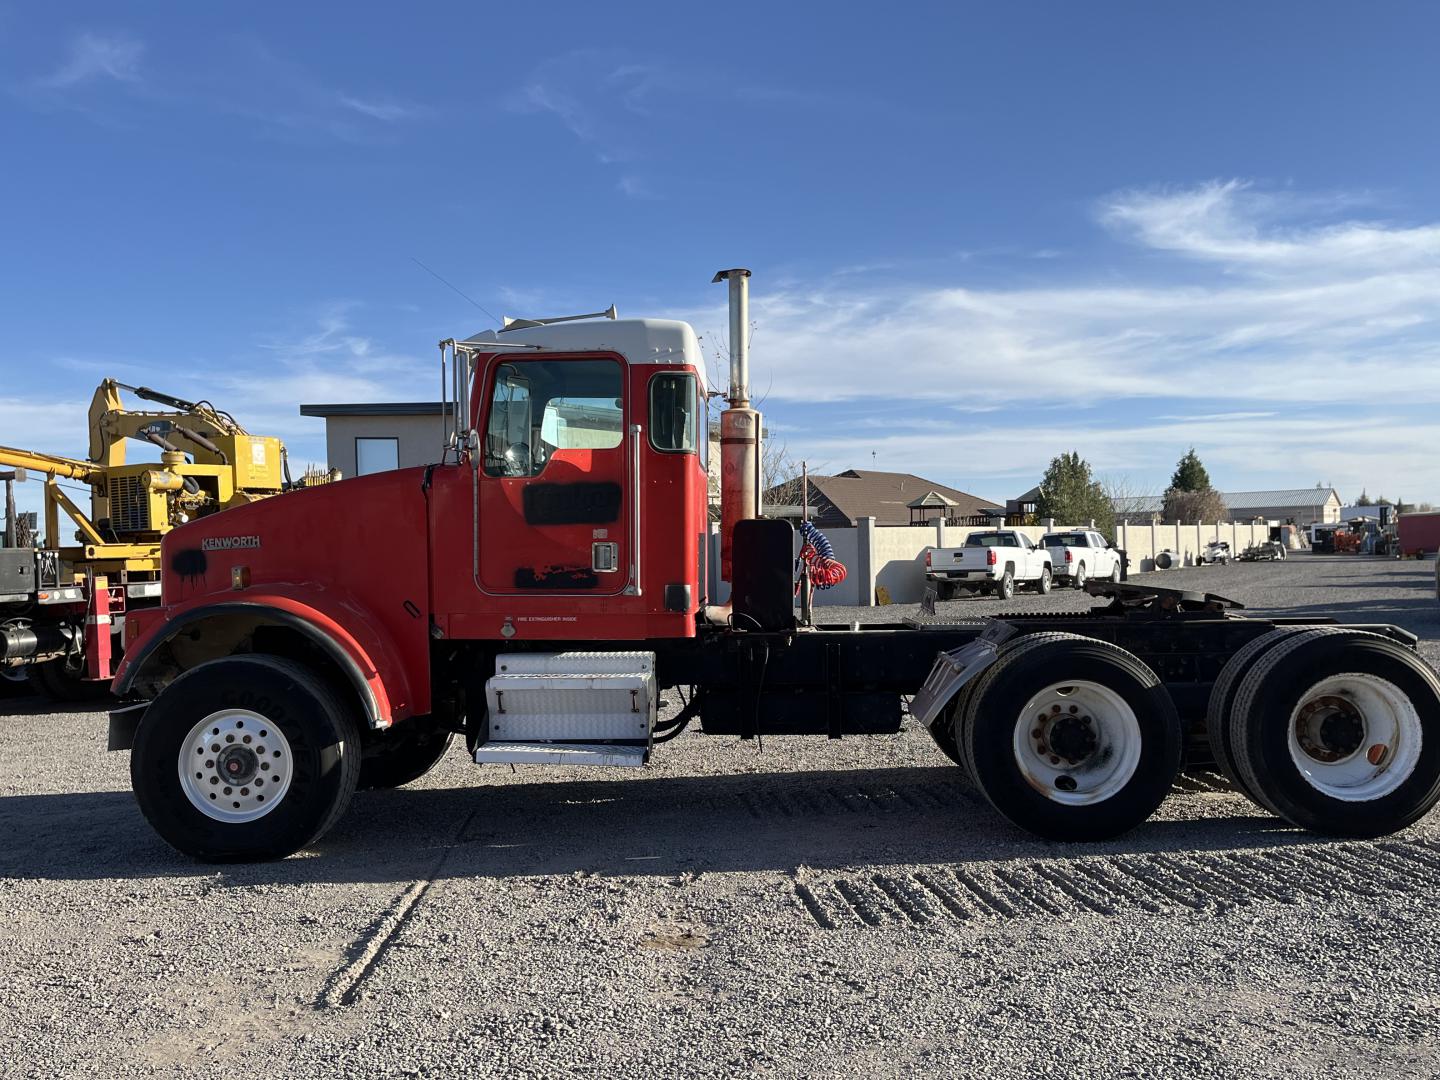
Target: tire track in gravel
[[344, 986], [1113, 885]]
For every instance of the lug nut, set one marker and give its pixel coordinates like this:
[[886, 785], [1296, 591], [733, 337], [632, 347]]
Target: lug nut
[[1054, 760]]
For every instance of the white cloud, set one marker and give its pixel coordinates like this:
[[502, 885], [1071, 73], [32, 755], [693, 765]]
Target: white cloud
[[382, 110], [1341, 329], [636, 187], [93, 57], [1233, 223]]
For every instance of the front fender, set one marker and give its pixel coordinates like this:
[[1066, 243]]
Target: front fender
[[387, 691]]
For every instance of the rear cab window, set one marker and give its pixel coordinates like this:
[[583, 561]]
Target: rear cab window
[[985, 540]]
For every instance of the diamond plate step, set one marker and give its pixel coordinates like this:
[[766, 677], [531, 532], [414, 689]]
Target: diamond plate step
[[528, 753]]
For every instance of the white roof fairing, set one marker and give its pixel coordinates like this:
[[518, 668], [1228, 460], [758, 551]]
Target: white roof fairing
[[640, 341]]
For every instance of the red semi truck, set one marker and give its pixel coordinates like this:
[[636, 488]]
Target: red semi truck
[[539, 587]]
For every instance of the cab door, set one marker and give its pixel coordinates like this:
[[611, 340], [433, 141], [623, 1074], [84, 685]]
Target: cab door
[[553, 484]]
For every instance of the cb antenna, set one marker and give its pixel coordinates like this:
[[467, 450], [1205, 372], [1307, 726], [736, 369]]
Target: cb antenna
[[453, 289]]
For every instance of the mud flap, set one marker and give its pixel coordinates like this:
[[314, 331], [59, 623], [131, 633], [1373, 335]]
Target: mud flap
[[954, 669], [124, 722]]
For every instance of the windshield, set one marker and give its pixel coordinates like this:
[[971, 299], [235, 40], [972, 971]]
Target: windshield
[[1064, 540], [991, 540]]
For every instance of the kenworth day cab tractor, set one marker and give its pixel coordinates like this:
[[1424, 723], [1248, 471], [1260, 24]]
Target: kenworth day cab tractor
[[538, 588]]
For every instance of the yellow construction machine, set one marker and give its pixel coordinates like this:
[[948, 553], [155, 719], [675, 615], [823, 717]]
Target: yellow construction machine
[[111, 559]]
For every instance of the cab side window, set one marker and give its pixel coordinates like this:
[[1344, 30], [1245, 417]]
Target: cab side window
[[674, 412]]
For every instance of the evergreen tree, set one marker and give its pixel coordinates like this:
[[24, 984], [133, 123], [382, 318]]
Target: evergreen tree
[[1070, 494], [1364, 499], [1190, 474]]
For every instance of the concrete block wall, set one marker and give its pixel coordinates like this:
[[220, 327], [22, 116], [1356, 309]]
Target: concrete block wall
[[893, 556]]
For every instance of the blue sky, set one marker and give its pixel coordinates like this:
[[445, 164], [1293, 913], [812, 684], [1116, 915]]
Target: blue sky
[[981, 234]]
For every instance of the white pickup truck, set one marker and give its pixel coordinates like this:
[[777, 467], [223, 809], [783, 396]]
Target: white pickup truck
[[1077, 555], [989, 562]]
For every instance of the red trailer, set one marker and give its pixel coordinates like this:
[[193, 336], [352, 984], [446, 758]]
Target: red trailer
[[1419, 534], [539, 587]]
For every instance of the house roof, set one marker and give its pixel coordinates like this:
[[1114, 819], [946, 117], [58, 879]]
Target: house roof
[[885, 496], [1239, 501]]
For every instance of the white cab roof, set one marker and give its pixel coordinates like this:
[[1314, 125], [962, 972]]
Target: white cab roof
[[640, 341]]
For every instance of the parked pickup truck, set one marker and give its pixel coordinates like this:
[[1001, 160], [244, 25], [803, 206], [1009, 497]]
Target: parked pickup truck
[[1081, 554], [989, 562]]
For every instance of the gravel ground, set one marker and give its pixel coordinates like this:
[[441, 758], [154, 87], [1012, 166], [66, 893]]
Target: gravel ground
[[816, 908]]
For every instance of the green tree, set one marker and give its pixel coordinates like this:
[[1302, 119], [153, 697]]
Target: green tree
[[1190, 474], [1071, 495], [1364, 499], [1186, 506]]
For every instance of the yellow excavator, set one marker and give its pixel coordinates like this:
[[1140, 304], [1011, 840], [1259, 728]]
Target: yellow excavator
[[54, 597]]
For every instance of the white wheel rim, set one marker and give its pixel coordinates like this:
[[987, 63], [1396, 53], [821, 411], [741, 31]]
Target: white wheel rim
[[1355, 737], [235, 766], [1070, 761]]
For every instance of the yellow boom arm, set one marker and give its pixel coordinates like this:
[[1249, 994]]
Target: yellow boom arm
[[51, 465]]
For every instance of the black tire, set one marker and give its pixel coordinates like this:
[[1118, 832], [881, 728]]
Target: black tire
[[1220, 713], [1274, 689], [996, 703], [1115, 574], [15, 683], [945, 590], [58, 683], [1005, 587], [401, 755], [1078, 577], [1043, 585], [324, 742]]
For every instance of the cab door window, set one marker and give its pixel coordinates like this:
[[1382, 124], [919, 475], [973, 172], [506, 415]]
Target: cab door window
[[541, 407]]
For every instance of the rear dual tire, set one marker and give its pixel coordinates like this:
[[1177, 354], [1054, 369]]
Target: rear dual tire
[[402, 755], [1338, 731], [1068, 737]]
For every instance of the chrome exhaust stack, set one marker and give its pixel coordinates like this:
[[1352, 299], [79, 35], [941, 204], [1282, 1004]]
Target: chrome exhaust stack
[[739, 424]]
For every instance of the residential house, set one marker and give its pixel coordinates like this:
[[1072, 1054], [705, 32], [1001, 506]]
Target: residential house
[[890, 498]]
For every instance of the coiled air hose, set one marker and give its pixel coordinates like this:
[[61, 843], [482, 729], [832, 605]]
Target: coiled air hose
[[817, 559]]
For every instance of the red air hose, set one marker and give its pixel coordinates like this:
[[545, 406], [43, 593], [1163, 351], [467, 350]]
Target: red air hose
[[817, 559]]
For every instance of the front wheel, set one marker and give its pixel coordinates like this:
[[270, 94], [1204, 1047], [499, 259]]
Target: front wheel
[[245, 757], [1115, 574]]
